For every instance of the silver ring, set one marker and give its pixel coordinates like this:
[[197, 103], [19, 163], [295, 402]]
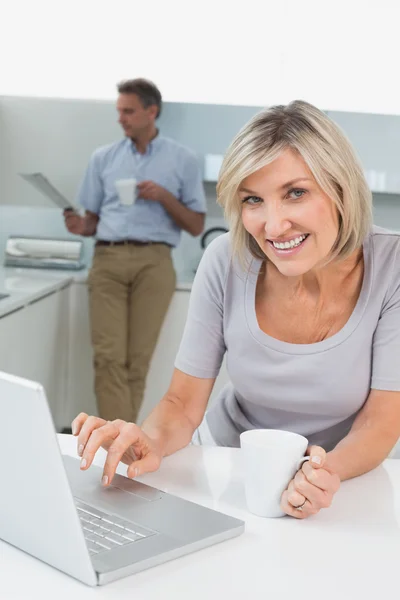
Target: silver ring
[[301, 505]]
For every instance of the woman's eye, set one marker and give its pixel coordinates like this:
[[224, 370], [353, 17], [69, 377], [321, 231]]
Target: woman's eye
[[251, 200], [296, 193]]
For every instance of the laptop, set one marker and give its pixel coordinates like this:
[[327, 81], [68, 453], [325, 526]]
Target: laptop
[[64, 516]]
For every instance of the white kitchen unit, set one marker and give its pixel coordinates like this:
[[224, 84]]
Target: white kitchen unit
[[212, 167], [34, 345], [162, 363], [80, 390], [80, 386], [11, 332]]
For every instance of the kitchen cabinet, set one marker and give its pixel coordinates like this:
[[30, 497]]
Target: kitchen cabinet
[[162, 363], [34, 345], [11, 331], [80, 390], [80, 395]]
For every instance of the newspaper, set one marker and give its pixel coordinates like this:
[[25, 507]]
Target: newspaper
[[43, 185]]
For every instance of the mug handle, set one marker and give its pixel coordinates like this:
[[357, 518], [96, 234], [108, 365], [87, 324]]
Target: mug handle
[[302, 460]]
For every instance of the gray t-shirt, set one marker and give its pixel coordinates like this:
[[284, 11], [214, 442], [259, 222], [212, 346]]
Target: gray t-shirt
[[312, 389]]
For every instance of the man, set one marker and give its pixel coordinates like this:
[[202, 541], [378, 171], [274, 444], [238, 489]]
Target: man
[[132, 278]]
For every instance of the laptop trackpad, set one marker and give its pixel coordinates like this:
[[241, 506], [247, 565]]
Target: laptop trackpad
[[137, 489]]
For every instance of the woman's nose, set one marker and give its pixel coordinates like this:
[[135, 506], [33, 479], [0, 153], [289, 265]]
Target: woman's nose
[[276, 223]]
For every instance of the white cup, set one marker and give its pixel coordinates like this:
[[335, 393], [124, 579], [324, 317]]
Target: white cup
[[270, 460], [126, 189]]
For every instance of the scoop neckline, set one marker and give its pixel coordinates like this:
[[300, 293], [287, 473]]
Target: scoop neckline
[[339, 337]]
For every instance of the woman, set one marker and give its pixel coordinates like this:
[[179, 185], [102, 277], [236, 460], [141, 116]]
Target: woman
[[303, 295]]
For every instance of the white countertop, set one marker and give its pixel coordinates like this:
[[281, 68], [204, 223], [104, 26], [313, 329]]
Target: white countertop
[[347, 552], [27, 285]]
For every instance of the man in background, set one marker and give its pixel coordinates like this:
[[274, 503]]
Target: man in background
[[138, 194]]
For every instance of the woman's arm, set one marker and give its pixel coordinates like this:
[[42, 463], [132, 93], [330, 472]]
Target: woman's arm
[[173, 421], [373, 435], [371, 438]]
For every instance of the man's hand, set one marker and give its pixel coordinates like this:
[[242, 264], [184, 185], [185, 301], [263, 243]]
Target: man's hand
[[152, 191], [74, 222], [184, 217], [79, 225]]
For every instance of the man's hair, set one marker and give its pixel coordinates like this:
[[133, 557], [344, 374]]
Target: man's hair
[[146, 90]]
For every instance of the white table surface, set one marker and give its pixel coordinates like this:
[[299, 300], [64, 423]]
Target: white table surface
[[350, 551]]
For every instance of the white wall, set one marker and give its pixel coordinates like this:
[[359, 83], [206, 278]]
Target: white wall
[[376, 139], [2, 150], [387, 211], [58, 136], [339, 55], [55, 137]]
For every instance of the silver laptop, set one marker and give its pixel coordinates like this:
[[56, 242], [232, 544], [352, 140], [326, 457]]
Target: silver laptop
[[66, 518]]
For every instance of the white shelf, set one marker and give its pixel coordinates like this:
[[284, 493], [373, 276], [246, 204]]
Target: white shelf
[[212, 166], [386, 192], [382, 182], [379, 182]]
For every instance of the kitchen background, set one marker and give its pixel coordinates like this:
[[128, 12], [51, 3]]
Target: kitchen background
[[49, 339], [56, 137]]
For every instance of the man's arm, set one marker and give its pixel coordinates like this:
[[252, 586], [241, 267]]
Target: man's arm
[[188, 211], [185, 218], [90, 196]]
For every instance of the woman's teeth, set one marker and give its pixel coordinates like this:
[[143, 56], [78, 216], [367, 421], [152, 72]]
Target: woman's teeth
[[289, 245]]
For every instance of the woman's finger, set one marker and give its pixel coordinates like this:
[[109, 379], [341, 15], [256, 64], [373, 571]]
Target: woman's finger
[[77, 423], [97, 436], [317, 497], [88, 426], [287, 508], [128, 435], [294, 497], [317, 456], [322, 479], [149, 463], [131, 437]]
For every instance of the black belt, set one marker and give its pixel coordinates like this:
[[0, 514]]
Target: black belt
[[128, 242]]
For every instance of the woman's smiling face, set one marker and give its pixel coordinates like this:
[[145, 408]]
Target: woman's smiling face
[[292, 220]]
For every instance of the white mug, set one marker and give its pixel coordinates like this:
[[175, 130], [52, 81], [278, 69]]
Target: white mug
[[270, 459], [126, 189]]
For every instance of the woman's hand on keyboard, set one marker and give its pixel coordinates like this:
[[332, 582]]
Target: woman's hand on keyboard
[[124, 442]]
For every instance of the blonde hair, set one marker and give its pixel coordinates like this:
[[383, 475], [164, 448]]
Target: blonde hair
[[329, 156]]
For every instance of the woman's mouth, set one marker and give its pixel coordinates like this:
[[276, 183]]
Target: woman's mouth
[[290, 246]]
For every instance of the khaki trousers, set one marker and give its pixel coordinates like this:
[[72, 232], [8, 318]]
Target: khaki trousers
[[130, 288]]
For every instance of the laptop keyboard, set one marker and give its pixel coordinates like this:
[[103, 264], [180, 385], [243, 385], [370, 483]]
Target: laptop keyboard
[[104, 532]]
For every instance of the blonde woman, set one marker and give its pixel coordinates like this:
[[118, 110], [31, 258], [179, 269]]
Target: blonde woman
[[303, 295]]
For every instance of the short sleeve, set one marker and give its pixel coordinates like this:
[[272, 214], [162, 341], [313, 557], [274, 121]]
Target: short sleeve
[[202, 346], [192, 190], [91, 193], [386, 343]]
